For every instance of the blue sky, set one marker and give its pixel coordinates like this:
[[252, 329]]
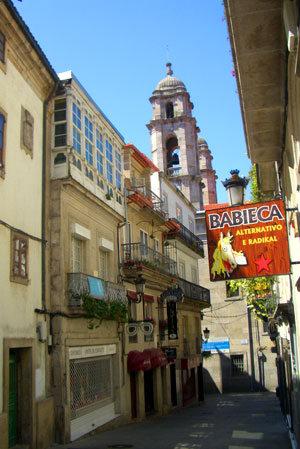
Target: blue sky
[[118, 50]]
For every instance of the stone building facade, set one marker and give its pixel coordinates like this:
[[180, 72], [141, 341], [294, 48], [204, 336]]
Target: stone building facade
[[26, 83]]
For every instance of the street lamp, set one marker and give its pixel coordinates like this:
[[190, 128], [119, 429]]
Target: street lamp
[[236, 187], [206, 333], [140, 288]]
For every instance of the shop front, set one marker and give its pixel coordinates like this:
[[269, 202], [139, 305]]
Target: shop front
[[92, 396]]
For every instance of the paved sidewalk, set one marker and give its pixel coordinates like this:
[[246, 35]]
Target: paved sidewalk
[[231, 421]]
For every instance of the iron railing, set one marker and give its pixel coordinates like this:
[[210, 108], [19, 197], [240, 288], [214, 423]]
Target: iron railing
[[190, 238], [133, 253], [194, 291], [174, 171], [79, 285], [157, 203]]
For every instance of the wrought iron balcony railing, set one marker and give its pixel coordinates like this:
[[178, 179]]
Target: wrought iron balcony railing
[[135, 253], [194, 291], [156, 202], [189, 237], [80, 284]]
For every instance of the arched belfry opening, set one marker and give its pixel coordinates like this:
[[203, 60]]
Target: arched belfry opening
[[172, 152], [169, 110]]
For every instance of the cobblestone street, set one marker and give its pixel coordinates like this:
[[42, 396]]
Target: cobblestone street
[[233, 421]]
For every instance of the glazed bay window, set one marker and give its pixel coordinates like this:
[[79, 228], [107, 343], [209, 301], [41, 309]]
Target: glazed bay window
[[19, 258], [99, 149], [60, 128], [118, 162], [76, 119], [89, 138], [109, 172]]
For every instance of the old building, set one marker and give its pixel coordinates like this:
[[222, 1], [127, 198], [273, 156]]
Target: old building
[[26, 83], [86, 208], [265, 45]]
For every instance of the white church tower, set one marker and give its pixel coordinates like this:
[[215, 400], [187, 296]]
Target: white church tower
[[176, 149]]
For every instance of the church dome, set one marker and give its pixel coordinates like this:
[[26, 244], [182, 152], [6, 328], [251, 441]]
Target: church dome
[[170, 82], [201, 141]]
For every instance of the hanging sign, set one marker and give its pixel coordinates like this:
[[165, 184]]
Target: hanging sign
[[172, 294], [247, 241], [172, 320]]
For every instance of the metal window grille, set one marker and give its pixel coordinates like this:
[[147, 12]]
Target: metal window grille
[[237, 364], [90, 384]]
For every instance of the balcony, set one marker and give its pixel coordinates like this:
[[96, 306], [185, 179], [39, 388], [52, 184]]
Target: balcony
[[188, 237], [137, 254], [80, 284], [194, 291], [173, 172], [141, 195]]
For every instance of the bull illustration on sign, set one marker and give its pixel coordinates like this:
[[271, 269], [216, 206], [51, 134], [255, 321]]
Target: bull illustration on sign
[[226, 259]]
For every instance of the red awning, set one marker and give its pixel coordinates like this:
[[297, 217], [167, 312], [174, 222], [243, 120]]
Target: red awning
[[157, 357], [138, 361]]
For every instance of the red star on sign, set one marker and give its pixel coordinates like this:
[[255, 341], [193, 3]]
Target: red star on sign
[[262, 263]]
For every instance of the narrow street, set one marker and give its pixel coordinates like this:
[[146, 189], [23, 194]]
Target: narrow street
[[232, 421]]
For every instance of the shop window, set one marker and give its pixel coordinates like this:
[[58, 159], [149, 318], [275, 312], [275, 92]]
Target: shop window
[[237, 364], [90, 385]]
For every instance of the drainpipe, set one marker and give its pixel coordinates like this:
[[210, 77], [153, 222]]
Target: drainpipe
[[43, 262]]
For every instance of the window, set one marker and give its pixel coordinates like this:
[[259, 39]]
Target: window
[[132, 316], [237, 364], [109, 154], [148, 314], [60, 129], [99, 150], [231, 294], [179, 213], [77, 255], [2, 139], [144, 243], [191, 225], [91, 385], [118, 170], [103, 265], [194, 275], [19, 258], [89, 138], [165, 202], [181, 270], [2, 47], [76, 118], [169, 110], [27, 122], [109, 172]]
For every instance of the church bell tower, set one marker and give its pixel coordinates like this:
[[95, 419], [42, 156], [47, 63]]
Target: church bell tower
[[174, 140]]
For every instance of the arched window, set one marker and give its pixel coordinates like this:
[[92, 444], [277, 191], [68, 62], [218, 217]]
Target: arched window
[[172, 152], [169, 110]]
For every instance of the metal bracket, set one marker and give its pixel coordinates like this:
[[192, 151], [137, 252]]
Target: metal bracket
[[297, 262]]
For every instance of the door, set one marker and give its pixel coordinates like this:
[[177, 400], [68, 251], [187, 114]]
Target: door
[[148, 388], [13, 400], [133, 394], [173, 384]]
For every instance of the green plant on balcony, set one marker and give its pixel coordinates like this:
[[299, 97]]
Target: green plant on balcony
[[149, 264], [98, 310]]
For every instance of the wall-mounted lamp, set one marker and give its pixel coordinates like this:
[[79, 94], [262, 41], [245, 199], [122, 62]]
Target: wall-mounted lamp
[[206, 333], [140, 288], [42, 331], [236, 188]]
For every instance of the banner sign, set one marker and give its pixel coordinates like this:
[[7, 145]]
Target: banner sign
[[247, 241], [217, 344], [172, 320]]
